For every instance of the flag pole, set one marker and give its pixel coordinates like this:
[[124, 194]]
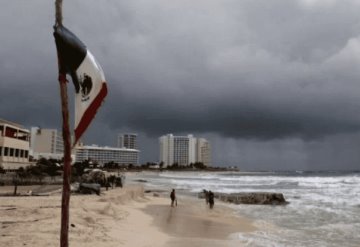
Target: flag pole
[[64, 239], [58, 12]]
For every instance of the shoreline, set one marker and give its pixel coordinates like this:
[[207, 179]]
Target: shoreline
[[118, 217], [192, 223]]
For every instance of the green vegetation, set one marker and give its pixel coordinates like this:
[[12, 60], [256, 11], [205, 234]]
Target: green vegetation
[[44, 167]]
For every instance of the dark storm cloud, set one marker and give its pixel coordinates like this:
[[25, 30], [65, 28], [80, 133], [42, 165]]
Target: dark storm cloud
[[336, 152], [247, 69], [261, 71]]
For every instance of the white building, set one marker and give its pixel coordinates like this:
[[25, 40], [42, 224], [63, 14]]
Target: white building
[[127, 141], [184, 150], [103, 155], [46, 143], [14, 145], [203, 151]]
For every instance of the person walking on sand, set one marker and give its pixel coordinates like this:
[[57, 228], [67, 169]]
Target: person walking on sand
[[172, 197], [211, 199], [206, 193]]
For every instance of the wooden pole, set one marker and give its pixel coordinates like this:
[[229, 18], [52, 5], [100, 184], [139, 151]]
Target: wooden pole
[[58, 12], [64, 239], [64, 232]]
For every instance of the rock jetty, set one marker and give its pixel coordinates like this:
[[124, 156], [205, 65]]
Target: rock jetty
[[258, 198]]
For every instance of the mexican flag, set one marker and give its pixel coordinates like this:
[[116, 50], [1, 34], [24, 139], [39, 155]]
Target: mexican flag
[[86, 73]]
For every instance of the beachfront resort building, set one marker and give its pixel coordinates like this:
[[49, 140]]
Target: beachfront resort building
[[103, 155], [46, 143], [14, 145], [184, 150], [127, 141], [203, 151]]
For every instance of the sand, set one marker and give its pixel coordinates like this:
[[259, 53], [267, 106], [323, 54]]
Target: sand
[[119, 217]]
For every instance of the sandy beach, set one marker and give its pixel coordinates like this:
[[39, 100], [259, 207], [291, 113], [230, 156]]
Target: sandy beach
[[118, 217]]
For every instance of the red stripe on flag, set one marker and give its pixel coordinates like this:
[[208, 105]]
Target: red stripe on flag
[[90, 112]]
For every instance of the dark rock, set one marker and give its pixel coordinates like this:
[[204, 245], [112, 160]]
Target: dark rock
[[258, 198], [140, 180], [157, 191]]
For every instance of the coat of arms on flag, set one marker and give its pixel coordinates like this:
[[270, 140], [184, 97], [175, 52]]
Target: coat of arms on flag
[[87, 75]]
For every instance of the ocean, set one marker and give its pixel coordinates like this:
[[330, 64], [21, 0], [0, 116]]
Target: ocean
[[323, 209]]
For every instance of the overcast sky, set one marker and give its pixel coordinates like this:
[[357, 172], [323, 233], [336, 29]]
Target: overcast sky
[[274, 85]]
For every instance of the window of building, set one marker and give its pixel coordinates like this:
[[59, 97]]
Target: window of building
[[23, 135], [11, 152], [26, 153], [10, 132], [16, 152], [6, 151], [0, 151], [22, 153]]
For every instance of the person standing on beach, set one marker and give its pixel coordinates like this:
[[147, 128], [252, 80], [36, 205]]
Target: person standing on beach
[[211, 199], [172, 197], [206, 193]]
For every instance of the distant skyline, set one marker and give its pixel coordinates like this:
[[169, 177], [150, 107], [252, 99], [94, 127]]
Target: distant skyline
[[273, 85]]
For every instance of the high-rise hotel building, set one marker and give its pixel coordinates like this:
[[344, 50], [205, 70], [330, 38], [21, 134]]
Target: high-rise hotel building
[[203, 151], [103, 155], [46, 143], [127, 141], [184, 150], [125, 153]]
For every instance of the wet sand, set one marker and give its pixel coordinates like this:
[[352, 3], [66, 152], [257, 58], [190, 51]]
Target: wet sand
[[119, 217], [193, 223]]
